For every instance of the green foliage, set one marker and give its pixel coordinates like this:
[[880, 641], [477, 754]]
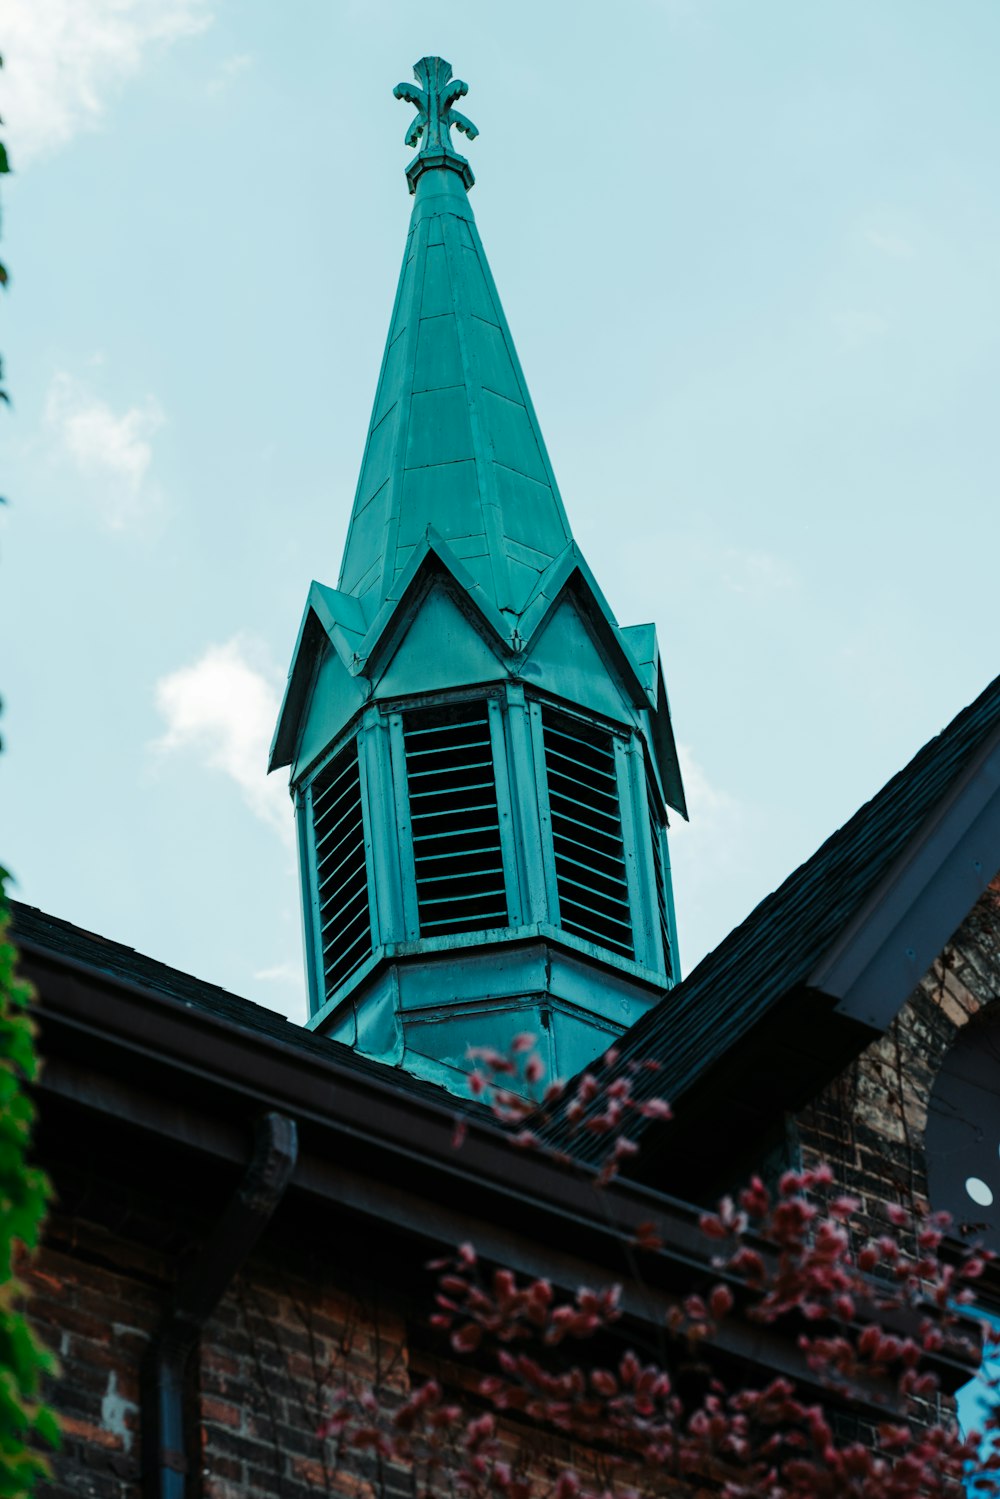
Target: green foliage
[[4, 277], [24, 1191], [25, 1420]]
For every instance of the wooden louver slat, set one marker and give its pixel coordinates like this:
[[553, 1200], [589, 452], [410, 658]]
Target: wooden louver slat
[[587, 832], [451, 783], [339, 843]]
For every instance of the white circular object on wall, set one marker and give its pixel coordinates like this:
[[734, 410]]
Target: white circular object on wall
[[979, 1191]]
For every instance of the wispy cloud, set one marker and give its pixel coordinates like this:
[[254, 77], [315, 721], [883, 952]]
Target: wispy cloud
[[685, 15], [714, 861], [227, 73], [757, 574], [65, 59], [857, 329], [111, 447], [222, 708], [704, 567], [717, 819], [284, 989], [893, 245], [288, 972]]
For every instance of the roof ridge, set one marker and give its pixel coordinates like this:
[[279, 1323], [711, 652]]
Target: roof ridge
[[840, 836]]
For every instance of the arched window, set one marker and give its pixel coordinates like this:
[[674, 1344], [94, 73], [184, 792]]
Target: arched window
[[962, 1146], [963, 1131]]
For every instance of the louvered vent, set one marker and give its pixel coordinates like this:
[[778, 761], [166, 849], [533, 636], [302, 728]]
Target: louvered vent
[[453, 813], [587, 832], [338, 830], [659, 873]]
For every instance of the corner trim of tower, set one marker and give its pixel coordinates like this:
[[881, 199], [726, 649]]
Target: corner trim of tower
[[569, 573], [329, 616]]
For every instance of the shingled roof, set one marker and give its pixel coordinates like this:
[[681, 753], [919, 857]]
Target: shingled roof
[[777, 1008], [50, 940]]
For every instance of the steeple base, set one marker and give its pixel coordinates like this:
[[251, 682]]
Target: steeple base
[[421, 1011]]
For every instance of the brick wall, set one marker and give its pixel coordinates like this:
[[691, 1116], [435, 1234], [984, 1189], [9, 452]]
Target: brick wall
[[284, 1341], [94, 1299], [280, 1344]]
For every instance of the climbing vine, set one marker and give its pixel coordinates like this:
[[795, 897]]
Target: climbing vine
[[25, 1419]]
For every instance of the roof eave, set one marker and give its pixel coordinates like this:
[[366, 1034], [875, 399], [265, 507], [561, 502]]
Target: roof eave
[[884, 951]]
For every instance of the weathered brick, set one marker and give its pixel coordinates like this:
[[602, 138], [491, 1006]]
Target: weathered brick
[[221, 1411], [91, 1434]]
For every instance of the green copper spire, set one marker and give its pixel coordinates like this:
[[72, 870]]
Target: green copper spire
[[454, 445], [481, 756], [435, 117]]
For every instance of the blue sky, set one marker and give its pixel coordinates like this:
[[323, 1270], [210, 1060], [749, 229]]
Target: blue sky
[[979, 1397], [749, 256]]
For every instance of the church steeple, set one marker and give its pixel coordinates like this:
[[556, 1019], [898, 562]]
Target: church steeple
[[481, 758], [454, 447]]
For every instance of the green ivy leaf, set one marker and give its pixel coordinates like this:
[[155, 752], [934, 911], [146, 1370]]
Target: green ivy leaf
[[46, 1426]]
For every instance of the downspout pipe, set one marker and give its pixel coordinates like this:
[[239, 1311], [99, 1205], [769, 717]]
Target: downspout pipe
[[198, 1292]]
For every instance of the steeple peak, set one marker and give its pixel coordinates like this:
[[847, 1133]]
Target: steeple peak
[[435, 119]]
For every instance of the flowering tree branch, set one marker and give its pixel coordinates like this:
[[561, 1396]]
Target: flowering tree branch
[[868, 1321]]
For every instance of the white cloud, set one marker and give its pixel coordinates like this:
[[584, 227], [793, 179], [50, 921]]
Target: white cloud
[[289, 972], [717, 818], [113, 449], [686, 15], [223, 708], [857, 329], [229, 70], [713, 860], [757, 574], [703, 570], [64, 59], [892, 245]]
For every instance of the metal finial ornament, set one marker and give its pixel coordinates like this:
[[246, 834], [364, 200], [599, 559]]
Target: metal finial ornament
[[431, 129]]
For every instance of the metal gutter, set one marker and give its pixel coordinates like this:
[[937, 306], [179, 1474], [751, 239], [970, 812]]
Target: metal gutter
[[165, 1442], [402, 1134]]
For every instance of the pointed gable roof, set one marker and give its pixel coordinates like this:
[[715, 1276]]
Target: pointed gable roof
[[453, 443]]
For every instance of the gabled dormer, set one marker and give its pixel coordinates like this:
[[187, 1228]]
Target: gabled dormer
[[481, 758]]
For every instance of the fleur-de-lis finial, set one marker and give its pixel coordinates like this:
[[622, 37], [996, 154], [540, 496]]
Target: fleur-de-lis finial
[[431, 129]]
